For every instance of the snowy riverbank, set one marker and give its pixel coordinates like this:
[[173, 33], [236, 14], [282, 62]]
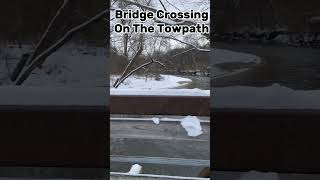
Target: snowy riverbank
[[167, 85], [165, 82], [71, 66], [270, 97], [221, 57]]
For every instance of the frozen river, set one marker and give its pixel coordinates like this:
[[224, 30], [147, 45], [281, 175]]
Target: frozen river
[[295, 68]]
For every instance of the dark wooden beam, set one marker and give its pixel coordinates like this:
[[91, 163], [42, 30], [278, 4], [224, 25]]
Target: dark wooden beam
[[72, 137], [160, 105]]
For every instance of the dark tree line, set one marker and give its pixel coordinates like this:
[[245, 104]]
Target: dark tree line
[[268, 21], [175, 61], [265, 14]]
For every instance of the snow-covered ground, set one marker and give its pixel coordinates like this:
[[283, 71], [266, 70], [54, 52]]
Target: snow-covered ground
[[165, 82], [222, 56], [135, 85], [227, 56], [72, 66], [77, 73], [161, 92], [274, 96]]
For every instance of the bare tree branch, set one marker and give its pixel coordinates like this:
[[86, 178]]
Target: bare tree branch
[[65, 2], [39, 60], [184, 52], [173, 5], [28, 59], [183, 42], [194, 61], [149, 8], [137, 69], [136, 55], [163, 5], [174, 21]]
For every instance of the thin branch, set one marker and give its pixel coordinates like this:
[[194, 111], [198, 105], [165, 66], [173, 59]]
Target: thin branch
[[41, 58], [7, 64], [194, 61], [184, 52], [183, 42], [160, 63], [173, 5], [65, 2], [23, 61], [152, 9], [114, 3], [163, 5], [180, 22], [137, 69], [119, 80]]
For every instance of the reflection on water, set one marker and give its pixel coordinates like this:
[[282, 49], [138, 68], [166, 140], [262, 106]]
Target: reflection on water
[[295, 68]]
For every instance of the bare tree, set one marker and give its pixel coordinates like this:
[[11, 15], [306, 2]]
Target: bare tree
[[148, 5], [58, 32]]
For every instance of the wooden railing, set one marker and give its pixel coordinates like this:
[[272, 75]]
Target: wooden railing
[[160, 105], [157, 142], [76, 136]]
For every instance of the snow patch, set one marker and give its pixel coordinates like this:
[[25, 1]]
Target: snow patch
[[155, 120], [315, 19], [135, 169], [283, 38], [221, 56], [228, 56], [163, 92], [72, 66], [192, 125], [274, 97], [140, 82]]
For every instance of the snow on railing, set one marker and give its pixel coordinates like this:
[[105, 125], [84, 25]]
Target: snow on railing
[[178, 102]]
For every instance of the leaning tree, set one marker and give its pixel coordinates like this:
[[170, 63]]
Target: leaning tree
[[70, 18]]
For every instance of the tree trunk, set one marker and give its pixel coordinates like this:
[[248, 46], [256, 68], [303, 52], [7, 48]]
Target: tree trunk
[[21, 64]]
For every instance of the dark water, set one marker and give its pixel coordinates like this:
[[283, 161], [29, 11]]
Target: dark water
[[200, 82], [295, 68]]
